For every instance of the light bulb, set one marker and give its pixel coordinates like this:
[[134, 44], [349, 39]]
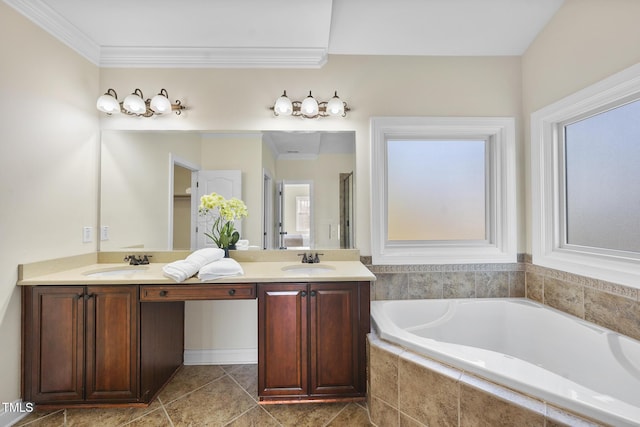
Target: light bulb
[[335, 106], [160, 104], [309, 107], [107, 103], [134, 104], [283, 106]]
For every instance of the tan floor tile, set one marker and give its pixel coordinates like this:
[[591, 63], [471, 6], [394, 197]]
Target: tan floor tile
[[247, 377], [256, 417], [157, 418], [100, 416], [351, 416], [304, 414], [215, 404], [188, 379], [43, 419]]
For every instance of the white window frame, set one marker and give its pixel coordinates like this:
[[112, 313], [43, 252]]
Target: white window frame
[[501, 244], [548, 249]]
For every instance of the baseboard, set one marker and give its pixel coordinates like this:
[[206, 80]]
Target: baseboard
[[221, 357], [12, 412]]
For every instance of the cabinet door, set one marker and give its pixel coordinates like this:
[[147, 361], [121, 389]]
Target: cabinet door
[[53, 343], [334, 324], [282, 340], [112, 342]]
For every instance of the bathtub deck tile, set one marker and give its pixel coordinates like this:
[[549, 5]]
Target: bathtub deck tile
[[517, 286], [535, 286], [612, 311], [506, 394], [492, 284], [425, 285], [478, 408], [564, 296], [427, 396], [383, 374], [459, 285]]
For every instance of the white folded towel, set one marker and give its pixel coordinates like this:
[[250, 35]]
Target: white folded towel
[[183, 269], [224, 267]]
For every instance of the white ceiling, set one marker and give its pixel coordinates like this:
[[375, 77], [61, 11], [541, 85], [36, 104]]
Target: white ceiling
[[284, 33]]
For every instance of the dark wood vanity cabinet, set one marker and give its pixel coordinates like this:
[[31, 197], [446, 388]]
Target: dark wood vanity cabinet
[[80, 343], [311, 341], [97, 345]]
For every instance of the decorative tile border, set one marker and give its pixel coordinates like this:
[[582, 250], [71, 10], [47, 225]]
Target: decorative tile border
[[524, 264]]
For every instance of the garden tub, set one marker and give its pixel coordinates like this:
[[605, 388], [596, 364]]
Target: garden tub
[[525, 346]]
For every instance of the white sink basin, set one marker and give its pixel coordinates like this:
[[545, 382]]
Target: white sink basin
[[308, 269], [116, 271]]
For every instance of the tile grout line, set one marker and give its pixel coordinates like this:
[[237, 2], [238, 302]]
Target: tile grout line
[[257, 403], [165, 411]]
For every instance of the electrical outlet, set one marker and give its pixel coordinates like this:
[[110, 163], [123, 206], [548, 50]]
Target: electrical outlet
[[87, 234], [104, 232]]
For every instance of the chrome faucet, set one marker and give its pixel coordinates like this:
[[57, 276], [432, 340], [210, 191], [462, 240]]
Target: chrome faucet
[[137, 260], [310, 259]]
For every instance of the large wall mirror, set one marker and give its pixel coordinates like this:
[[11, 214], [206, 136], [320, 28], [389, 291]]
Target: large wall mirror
[[298, 187]]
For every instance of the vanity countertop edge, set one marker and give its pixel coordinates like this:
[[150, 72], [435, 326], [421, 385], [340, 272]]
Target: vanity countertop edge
[[73, 270]]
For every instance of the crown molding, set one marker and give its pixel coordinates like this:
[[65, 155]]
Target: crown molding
[[212, 57], [53, 23], [166, 57]]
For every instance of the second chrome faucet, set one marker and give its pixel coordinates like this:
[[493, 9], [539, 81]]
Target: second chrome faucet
[[310, 258]]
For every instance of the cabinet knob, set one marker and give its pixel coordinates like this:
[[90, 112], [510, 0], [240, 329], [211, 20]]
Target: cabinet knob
[[163, 293], [313, 293], [232, 292], [303, 293]]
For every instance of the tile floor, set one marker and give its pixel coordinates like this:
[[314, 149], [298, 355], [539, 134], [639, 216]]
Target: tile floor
[[210, 396]]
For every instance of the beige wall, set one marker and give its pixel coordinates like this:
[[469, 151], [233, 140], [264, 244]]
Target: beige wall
[[586, 41], [135, 185], [49, 139]]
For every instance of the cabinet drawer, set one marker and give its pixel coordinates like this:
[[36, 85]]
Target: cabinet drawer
[[197, 292]]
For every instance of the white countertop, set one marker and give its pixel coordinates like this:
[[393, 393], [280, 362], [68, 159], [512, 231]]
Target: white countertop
[[254, 272]]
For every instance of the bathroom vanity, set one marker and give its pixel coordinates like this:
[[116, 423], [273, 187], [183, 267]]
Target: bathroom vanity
[[104, 334]]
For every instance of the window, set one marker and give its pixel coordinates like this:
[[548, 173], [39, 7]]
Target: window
[[443, 190], [303, 213], [586, 181]]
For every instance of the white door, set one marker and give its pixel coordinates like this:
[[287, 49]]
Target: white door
[[227, 183]]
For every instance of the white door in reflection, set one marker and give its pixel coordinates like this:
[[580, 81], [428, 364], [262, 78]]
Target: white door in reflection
[[295, 214], [227, 183]]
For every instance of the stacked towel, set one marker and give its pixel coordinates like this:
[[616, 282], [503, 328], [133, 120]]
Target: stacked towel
[[222, 268], [183, 269]]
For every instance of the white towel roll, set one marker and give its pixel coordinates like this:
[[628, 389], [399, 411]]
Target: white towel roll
[[183, 269], [222, 268]]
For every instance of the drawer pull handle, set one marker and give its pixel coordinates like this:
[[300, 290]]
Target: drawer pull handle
[[163, 293], [232, 292]]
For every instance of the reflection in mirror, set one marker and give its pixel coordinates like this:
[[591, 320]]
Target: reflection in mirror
[[149, 186], [295, 215]]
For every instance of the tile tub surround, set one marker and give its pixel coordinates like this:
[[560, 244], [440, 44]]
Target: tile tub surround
[[406, 389], [610, 305]]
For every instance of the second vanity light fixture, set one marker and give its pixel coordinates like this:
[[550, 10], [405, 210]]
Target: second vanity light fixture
[[310, 108], [135, 104]]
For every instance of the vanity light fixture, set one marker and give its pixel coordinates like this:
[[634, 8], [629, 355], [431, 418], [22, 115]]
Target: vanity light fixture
[[135, 104], [310, 108]]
